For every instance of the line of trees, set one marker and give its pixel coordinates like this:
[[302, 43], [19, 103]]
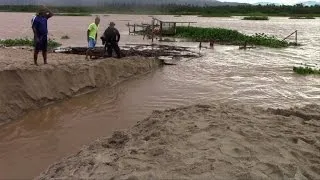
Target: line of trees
[[269, 10]]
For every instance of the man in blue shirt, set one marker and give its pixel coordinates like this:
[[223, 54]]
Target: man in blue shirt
[[40, 30]]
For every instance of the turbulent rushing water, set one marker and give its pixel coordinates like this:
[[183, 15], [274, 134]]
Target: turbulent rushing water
[[260, 77]]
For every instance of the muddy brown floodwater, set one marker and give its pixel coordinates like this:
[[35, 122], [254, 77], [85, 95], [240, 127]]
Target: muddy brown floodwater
[[259, 77]]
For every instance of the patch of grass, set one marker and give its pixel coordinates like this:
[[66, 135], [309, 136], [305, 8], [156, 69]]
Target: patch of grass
[[302, 17], [65, 37], [73, 14], [214, 15], [227, 36], [306, 70], [256, 18], [26, 42], [52, 43]]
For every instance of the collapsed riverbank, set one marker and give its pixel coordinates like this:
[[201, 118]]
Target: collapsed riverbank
[[218, 141], [25, 87]]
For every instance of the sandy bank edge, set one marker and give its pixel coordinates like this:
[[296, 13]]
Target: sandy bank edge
[[218, 141], [28, 87]]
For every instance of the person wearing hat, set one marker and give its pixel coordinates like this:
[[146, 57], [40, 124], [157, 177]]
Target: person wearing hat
[[40, 31], [110, 39], [92, 35]]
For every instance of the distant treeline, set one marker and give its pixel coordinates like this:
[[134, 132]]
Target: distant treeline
[[270, 10], [245, 10]]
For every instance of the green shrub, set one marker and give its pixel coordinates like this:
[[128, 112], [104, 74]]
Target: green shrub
[[26, 42]]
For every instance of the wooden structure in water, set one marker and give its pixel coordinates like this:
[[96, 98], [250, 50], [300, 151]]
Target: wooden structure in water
[[137, 28], [168, 27], [158, 27]]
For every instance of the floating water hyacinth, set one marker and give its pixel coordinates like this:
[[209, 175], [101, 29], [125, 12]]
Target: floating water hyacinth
[[257, 18], [306, 70], [228, 36]]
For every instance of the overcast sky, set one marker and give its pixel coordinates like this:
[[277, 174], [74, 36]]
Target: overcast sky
[[273, 1]]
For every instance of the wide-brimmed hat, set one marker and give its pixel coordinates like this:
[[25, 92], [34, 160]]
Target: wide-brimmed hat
[[41, 10]]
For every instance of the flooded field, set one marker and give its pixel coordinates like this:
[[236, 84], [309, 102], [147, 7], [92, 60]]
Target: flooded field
[[260, 77]]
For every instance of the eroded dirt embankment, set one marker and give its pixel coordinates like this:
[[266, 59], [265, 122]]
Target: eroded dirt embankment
[[24, 86], [218, 141]]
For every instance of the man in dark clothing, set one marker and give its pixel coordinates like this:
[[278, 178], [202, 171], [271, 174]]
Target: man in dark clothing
[[110, 39], [40, 30]]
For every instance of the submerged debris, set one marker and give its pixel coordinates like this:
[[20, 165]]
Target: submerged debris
[[157, 51]]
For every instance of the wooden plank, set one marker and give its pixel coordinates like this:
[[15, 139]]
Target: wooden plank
[[160, 31], [152, 28]]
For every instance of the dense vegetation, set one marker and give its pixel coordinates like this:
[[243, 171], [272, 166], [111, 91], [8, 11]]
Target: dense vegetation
[[302, 17], [249, 10], [26, 42], [226, 36], [245, 10], [306, 70], [214, 15], [256, 18]]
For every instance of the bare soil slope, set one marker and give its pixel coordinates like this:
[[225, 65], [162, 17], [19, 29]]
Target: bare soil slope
[[205, 142], [24, 86]]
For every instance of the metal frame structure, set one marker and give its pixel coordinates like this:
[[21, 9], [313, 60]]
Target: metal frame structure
[[157, 27]]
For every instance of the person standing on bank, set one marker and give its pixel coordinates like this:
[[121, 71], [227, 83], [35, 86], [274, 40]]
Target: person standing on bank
[[111, 37], [40, 31], [92, 35]]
